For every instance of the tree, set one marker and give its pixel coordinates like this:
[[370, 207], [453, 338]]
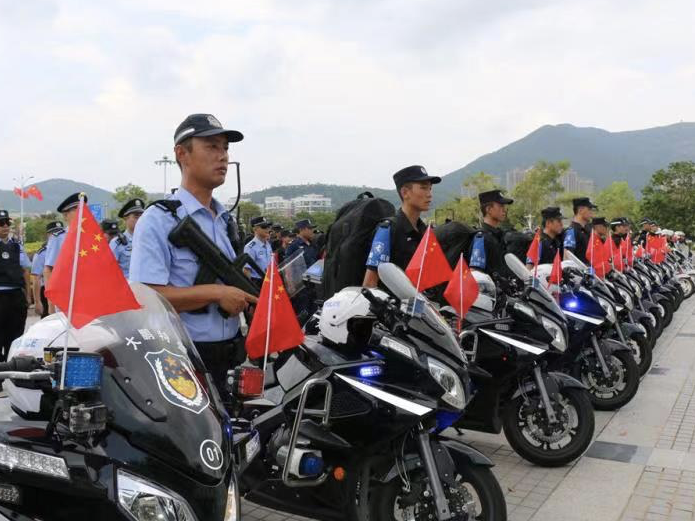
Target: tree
[[618, 200], [248, 211], [539, 188], [123, 194], [322, 220], [670, 197], [35, 227]]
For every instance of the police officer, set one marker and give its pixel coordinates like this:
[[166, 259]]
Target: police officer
[[275, 238], [644, 232], [68, 208], [578, 233], [37, 265], [600, 227], [551, 236], [303, 242], [259, 248], [122, 244], [396, 240], [201, 148], [285, 241], [488, 248], [619, 228], [15, 285], [110, 229]]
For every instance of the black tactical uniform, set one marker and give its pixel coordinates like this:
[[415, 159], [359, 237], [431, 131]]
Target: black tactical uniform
[[488, 248]]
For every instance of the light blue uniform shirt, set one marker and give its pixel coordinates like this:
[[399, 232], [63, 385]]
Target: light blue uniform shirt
[[154, 260], [37, 264], [55, 243], [24, 262], [122, 252], [260, 252]]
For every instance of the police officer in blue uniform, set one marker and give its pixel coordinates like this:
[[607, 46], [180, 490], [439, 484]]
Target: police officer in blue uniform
[[68, 208], [15, 286], [37, 265], [201, 147], [259, 248], [122, 244]]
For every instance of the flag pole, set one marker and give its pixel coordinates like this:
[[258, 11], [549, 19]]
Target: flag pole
[[73, 279], [270, 312], [538, 260], [460, 292], [422, 260]]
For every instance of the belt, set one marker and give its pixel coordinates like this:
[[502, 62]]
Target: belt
[[218, 343]]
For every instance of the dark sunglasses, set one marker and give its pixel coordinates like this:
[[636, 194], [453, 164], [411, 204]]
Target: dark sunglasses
[[4, 222]]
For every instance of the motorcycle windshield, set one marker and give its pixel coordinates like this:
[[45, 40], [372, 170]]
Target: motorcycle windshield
[[153, 385], [440, 332]]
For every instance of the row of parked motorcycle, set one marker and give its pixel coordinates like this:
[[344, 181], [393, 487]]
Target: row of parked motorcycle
[[359, 422]]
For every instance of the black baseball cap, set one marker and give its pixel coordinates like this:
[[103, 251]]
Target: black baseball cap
[[551, 212], [599, 221], [494, 196], [304, 223], [414, 174], [204, 125], [5, 216], [109, 226], [583, 201]]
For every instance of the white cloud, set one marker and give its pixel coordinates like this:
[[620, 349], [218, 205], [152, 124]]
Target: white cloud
[[345, 91]]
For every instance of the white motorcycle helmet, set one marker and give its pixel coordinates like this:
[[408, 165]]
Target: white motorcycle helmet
[[341, 311], [487, 291]]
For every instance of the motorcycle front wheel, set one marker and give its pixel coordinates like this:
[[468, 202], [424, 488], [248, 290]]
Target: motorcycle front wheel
[[612, 392], [536, 439], [475, 495]]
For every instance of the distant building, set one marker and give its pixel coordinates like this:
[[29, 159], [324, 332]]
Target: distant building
[[587, 186], [514, 177], [311, 203], [278, 205], [571, 181]]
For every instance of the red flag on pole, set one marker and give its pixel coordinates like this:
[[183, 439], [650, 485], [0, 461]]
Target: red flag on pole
[[34, 190], [86, 281], [462, 289], [429, 266], [20, 193], [639, 253], [556, 272], [274, 326], [595, 254], [533, 254]]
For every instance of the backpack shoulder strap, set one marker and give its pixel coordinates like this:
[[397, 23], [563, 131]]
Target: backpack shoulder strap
[[167, 205]]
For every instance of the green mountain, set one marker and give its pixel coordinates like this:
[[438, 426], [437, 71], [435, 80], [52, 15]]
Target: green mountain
[[54, 192], [339, 194], [594, 153]]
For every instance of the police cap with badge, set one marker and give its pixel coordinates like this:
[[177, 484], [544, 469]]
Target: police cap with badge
[[133, 206], [5, 217], [204, 125], [70, 203], [414, 174], [110, 226], [304, 223], [55, 227], [551, 212], [261, 222], [619, 221], [493, 196]]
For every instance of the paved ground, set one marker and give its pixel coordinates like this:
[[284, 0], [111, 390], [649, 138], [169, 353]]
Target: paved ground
[[641, 465]]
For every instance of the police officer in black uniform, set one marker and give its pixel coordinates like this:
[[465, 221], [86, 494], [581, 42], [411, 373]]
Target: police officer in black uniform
[[488, 247], [619, 228], [646, 225], [303, 301], [406, 229], [551, 237], [600, 227], [578, 233], [15, 286]]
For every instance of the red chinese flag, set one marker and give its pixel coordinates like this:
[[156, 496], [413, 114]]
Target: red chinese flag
[[640, 252], [534, 250], [556, 273], [100, 287], [19, 193], [274, 325], [655, 248], [429, 266], [596, 255], [462, 289], [34, 190]]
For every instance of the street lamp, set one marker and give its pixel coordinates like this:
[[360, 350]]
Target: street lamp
[[164, 162], [22, 182]]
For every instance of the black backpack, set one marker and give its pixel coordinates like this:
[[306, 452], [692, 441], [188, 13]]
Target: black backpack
[[454, 238], [518, 243], [349, 239]]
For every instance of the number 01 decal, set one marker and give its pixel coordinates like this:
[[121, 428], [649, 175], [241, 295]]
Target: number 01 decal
[[211, 455]]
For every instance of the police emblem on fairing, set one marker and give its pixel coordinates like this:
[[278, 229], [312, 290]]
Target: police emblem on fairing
[[5, 255], [177, 382]]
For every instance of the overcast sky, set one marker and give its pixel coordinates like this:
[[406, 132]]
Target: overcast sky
[[341, 91]]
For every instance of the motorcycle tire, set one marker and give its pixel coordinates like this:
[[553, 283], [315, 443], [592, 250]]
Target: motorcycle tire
[[513, 431], [651, 331], [631, 377], [489, 498], [641, 343], [668, 315], [688, 287]]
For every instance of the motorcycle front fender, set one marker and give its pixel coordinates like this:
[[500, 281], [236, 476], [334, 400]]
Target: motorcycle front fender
[[562, 381], [633, 331], [609, 346]]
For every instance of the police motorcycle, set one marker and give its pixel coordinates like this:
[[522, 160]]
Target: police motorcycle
[[136, 433], [684, 272], [661, 292], [597, 356], [512, 341], [351, 421], [641, 282]]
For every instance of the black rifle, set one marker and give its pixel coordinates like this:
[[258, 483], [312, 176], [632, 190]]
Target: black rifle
[[214, 264]]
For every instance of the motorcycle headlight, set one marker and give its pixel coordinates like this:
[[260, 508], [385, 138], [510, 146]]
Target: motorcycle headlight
[[525, 309], [627, 298], [608, 308], [453, 389], [145, 501], [556, 332]]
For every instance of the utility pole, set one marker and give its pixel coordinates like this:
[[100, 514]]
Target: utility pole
[[22, 181], [164, 162]]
